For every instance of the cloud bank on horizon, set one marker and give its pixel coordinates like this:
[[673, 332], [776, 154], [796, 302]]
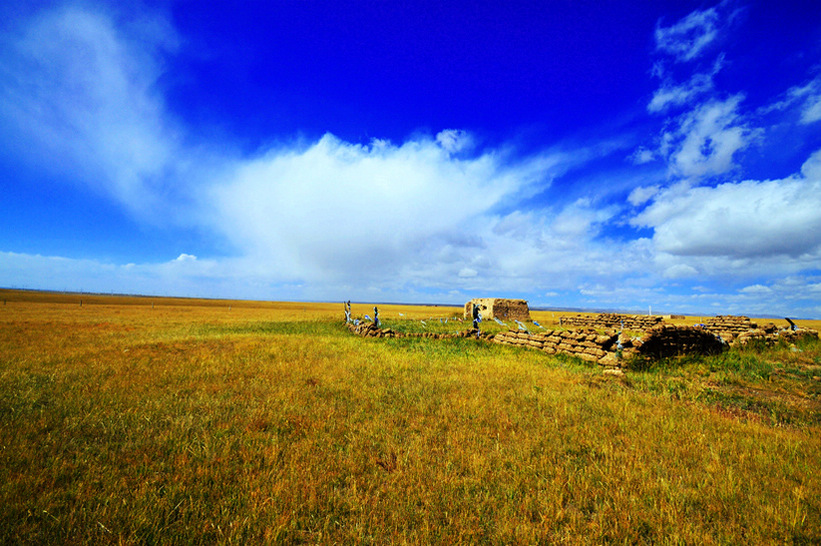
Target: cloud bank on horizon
[[130, 166]]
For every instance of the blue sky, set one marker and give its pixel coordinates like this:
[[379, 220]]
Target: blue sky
[[638, 154]]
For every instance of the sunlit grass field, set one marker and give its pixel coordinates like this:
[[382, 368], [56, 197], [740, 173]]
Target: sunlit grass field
[[149, 420]]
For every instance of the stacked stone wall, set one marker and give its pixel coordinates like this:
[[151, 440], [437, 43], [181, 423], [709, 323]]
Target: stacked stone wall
[[587, 345], [770, 335], [729, 327], [741, 330], [615, 350], [667, 340], [618, 350], [605, 321], [499, 308]]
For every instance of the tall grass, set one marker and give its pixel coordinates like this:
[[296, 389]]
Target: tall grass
[[196, 424]]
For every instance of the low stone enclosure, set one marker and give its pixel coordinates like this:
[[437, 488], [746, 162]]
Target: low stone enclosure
[[616, 349]]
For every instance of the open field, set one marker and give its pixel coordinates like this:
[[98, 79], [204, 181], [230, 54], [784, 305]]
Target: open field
[[145, 420]]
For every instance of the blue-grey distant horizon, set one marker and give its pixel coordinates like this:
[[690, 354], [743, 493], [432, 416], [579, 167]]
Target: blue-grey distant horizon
[[623, 156]]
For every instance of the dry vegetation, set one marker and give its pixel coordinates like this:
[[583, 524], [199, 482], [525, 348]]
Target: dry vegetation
[[191, 421]]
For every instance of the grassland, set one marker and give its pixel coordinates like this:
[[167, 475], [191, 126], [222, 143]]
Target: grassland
[[138, 420]]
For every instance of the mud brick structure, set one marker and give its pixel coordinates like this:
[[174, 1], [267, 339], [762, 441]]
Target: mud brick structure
[[606, 321], [499, 308]]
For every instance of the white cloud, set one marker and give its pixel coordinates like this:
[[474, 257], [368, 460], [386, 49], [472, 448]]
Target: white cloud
[[176, 277], [756, 289], [680, 271], [641, 195], [467, 272], [810, 97], [677, 95], [641, 156], [581, 220], [690, 36], [706, 139], [812, 110], [79, 94], [455, 140], [330, 215], [806, 98], [742, 221], [811, 168], [335, 208]]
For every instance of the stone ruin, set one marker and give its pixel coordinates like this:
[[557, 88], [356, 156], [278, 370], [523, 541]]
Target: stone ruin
[[729, 327], [587, 345], [668, 340], [502, 309], [613, 320], [613, 349], [741, 331], [617, 349]]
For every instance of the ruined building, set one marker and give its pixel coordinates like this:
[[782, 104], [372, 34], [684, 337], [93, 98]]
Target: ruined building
[[499, 308]]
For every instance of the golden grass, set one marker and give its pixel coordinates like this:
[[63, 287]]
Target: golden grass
[[269, 422]]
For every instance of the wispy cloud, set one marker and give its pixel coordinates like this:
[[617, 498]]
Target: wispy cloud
[[79, 95], [641, 156], [691, 36], [806, 97], [705, 140], [708, 130], [677, 95], [455, 140], [671, 95]]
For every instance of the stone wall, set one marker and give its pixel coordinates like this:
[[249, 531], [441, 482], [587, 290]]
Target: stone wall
[[771, 335], [667, 340], [587, 345], [499, 308], [741, 330], [617, 350], [606, 321], [729, 327]]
